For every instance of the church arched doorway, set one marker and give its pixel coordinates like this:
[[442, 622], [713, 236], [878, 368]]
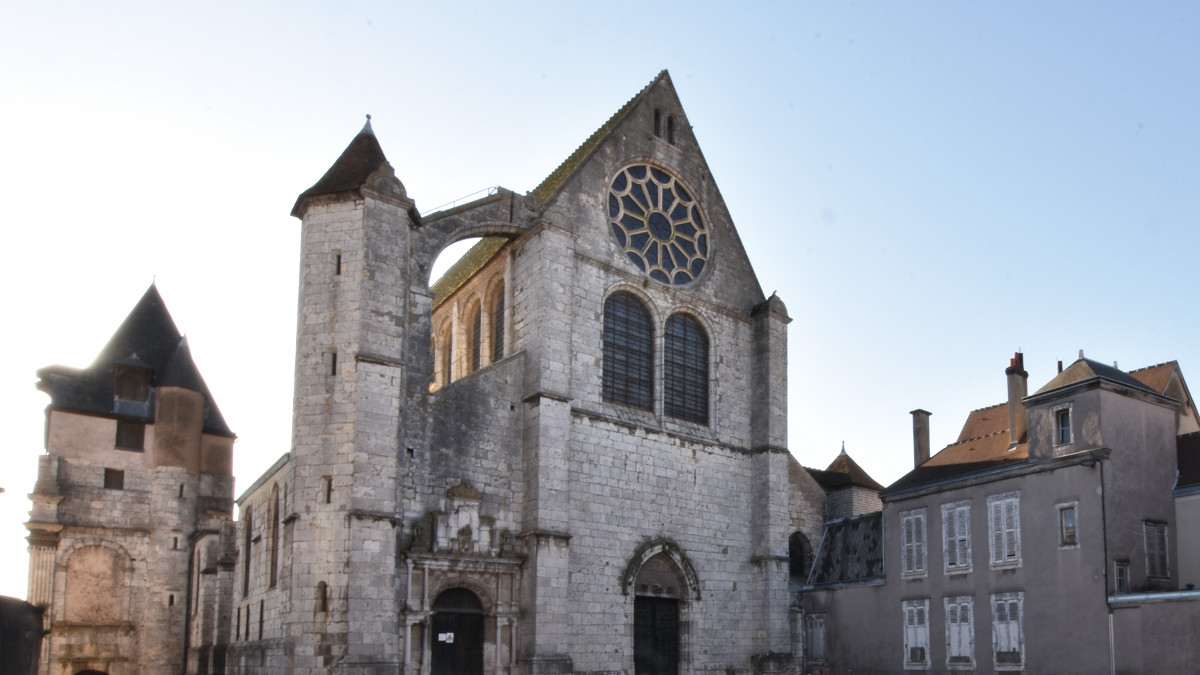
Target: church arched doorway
[[656, 605], [457, 634]]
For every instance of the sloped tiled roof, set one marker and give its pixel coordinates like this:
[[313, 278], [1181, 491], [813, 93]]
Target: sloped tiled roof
[[559, 176], [465, 267], [357, 162], [1157, 377], [147, 337], [851, 550]]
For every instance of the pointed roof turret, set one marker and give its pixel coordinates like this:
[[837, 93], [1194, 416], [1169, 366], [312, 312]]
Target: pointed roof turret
[[362, 158], [147, 338]]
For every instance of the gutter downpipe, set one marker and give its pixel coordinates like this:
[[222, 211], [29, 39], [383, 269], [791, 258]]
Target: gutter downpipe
[[1112, 648]]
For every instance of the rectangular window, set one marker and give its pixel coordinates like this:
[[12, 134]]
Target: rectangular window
[[916, 634], [114, 479], [912, 528], [814, 637], [1004, 523], [956, 536], [1068, 524], [1121, 576], [1062, 425], [131, 435], [1156, 550], [1008, 636], [960, 633]]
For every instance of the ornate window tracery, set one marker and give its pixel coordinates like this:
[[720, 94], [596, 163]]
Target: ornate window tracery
[[657, 223]]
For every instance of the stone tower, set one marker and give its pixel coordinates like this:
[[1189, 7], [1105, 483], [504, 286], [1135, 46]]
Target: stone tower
[[133, 502]]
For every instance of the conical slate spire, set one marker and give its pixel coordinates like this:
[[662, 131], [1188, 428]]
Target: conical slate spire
[[358, 161]]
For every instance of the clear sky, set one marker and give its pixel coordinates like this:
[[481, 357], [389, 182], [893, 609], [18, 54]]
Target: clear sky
[[929, 186]]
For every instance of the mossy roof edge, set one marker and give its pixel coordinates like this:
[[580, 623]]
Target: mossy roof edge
[[555, 180]]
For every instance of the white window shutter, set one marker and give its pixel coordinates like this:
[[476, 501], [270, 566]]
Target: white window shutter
[[919, 540], [963, 516]]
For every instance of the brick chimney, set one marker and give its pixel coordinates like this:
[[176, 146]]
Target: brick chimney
[[1017, 389], [920, 436]]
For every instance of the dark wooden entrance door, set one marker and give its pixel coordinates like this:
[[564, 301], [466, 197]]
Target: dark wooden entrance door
[[655, 636], [457, 634]]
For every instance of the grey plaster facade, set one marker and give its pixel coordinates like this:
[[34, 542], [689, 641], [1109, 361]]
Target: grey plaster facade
[[1032, 552]]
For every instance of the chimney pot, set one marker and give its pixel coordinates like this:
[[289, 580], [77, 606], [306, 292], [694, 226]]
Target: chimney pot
[[1060, 366]]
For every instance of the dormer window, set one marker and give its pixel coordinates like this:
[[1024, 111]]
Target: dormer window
[[1062, 425], [131, 383]]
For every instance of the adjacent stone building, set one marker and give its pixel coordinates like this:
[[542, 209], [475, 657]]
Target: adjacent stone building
[[130, 536]]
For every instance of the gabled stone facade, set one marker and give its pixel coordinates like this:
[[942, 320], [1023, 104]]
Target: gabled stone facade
[[479, 482]]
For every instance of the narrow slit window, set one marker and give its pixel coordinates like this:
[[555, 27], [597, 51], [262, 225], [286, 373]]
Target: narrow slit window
[[337, 264], [333, 362], [327, 484], [671, 129]]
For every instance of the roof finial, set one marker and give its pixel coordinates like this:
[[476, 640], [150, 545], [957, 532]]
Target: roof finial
[[843, 447], [368, 117]]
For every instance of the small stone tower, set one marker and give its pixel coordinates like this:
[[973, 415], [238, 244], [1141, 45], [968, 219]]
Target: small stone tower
[[133, 502]]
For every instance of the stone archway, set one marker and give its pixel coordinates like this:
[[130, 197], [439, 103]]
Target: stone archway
[[457, 635], [658, 590]]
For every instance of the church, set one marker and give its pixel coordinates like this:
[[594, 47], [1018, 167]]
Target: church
[[566, 455]]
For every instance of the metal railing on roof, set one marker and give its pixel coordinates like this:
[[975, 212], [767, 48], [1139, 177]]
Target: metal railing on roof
[[487, 192]]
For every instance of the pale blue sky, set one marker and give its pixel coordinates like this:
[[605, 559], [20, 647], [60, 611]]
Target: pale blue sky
[[929, 186]]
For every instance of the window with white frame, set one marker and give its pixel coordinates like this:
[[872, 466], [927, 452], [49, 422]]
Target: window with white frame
[[1156, 550], [1008, 635], [956, 536], [916, 634], [960, 632], [1062, 425], [1121, 576], [1068, 524], [912, 533], [1004, 524], [814, 637]]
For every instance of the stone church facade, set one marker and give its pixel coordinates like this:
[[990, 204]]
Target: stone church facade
[[569, 455]]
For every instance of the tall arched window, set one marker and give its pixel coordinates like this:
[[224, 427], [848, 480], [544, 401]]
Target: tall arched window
[[685, 369], [476, 336], [498, 322], [628, 352]]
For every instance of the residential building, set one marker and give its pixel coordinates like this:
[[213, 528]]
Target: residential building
[[1041, 540]]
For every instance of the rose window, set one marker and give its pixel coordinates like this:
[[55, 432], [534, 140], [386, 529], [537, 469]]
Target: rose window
[[657, 222]]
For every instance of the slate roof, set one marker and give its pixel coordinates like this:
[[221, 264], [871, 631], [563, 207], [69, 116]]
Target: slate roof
[[1086, 369], [358, 161], [851, 550], [148, 338], [550, 185], [471, 262]]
